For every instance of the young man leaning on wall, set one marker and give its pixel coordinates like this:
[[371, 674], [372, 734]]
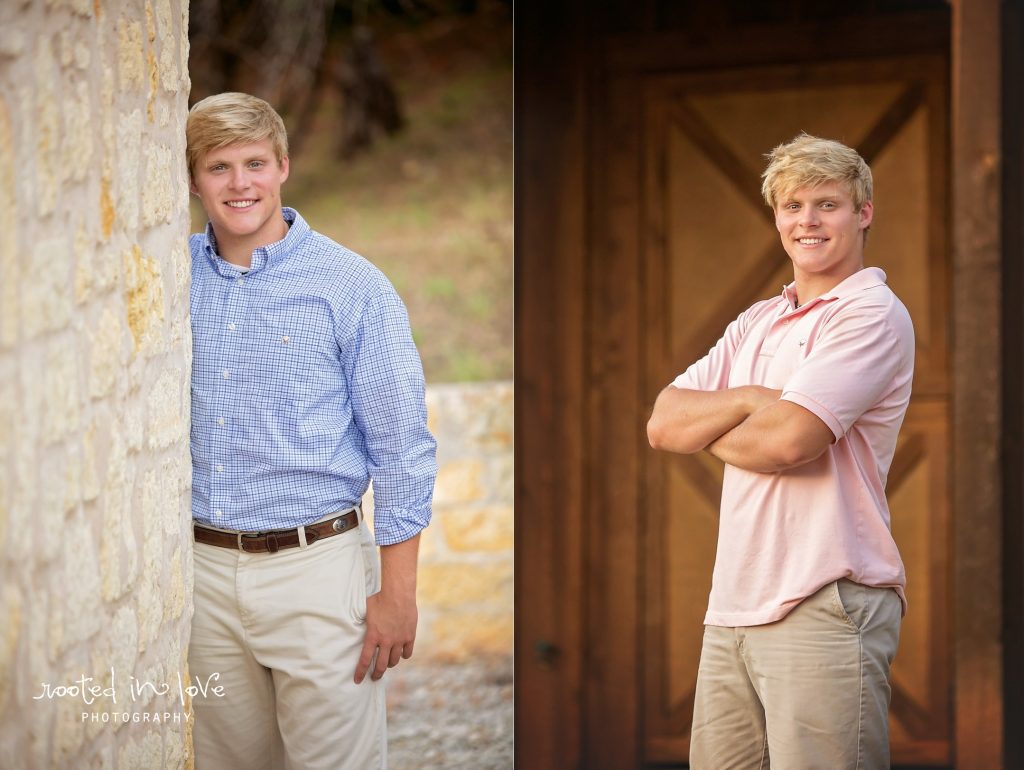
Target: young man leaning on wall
[[305, 385]]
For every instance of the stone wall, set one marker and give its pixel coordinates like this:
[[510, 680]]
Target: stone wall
[[465, 577], [94, 376]]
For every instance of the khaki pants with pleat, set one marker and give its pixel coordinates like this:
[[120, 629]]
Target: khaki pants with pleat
[[283, 631]]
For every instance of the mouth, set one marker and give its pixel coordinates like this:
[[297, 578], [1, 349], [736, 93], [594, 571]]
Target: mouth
[[241, 205], [811, 241]]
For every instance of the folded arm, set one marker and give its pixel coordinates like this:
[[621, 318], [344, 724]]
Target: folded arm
[[776, 437], [686, 421]]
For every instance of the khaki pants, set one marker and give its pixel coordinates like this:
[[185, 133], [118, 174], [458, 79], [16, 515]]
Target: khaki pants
[[809, 691], [284, 632]]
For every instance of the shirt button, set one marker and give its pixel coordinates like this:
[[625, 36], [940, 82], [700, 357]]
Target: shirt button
[[226, 374], [218, 513], [240, 280], [231, 327], [220, 469], [220, 420]]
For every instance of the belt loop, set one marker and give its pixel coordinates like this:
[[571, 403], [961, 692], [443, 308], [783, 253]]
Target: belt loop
[[240, 542], [359, 513], [302, 536]]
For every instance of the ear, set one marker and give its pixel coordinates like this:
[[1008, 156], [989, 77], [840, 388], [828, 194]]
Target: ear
[[284, 168], [192, 185], [867, 214]]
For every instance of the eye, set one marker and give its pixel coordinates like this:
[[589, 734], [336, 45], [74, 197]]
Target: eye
[[256, 164], [828, 205]]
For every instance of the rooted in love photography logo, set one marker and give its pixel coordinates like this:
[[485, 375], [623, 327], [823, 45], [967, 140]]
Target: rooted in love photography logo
[[90, 691]]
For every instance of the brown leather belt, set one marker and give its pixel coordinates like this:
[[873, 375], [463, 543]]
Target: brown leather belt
[[274, 540]]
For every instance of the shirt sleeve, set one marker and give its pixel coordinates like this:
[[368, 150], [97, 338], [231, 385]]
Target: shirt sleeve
[[712, 371], [389, 408], [857, 359]]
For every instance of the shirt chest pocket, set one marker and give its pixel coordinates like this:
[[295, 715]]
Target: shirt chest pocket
[[287, 354]]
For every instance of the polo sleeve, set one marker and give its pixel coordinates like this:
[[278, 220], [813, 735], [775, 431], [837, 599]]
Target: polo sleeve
[[857, 359], [712, 371]]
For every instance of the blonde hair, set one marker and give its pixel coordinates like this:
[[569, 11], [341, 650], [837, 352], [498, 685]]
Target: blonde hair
[[808, 161], [232, 118]]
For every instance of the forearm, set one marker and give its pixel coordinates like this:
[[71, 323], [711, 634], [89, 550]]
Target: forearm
[[398, 569], [686, 421], [777, 437]]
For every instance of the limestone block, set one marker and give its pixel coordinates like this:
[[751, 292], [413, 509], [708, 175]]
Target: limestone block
[[70, 729], [142, 753], [107, 214], [129, 54], [62, 414], [124, 648], [502, 475], [150, 605], [76, 139], [106, 351], [23, 501], [81, 586], [9, 268], [83, 55], [129, 160], [65, 48], [174, 597], [167, 420], [47, 127], [144, 299], [455, 584], [459, 481], [181, 259], [10, 632], [90, 464], [134, 424], [12, 41], [118, 547], [48, 516], [46, 293], [158, 193], [461, 634], [479, 529]]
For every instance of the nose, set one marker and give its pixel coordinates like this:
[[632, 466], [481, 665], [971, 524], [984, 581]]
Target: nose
[[239, 179], [809, 216]]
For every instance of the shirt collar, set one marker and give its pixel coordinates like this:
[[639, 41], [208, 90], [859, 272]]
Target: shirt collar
[[865, 278], [264, 255]]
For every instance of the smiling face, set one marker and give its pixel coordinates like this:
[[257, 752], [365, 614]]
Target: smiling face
[[823, 236], [240, 188]]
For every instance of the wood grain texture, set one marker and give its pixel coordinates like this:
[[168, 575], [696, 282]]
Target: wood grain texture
[[977, 578]]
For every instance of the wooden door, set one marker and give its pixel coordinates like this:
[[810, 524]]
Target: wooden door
[[706, 249]]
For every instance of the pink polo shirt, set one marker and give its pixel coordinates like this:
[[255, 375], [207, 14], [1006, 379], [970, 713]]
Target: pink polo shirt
[[848, 357]]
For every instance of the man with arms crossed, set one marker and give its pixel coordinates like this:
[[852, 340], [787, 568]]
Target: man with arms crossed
[[802, 399], [305, 385]]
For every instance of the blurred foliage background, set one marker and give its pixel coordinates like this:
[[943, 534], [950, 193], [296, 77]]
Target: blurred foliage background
[[399, 115]]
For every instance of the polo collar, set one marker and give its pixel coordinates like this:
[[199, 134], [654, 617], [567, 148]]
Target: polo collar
[[264, 255], [863, 279]]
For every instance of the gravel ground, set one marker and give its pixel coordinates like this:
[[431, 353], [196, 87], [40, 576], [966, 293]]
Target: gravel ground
[[448, 715]]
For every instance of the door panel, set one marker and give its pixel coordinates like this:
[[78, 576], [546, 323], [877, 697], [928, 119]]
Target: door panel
[[709, 249]]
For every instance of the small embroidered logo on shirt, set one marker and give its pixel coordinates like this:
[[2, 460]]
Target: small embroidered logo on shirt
[[803, 342]]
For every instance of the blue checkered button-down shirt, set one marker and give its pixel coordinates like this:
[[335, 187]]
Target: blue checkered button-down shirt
[[305, 385]]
